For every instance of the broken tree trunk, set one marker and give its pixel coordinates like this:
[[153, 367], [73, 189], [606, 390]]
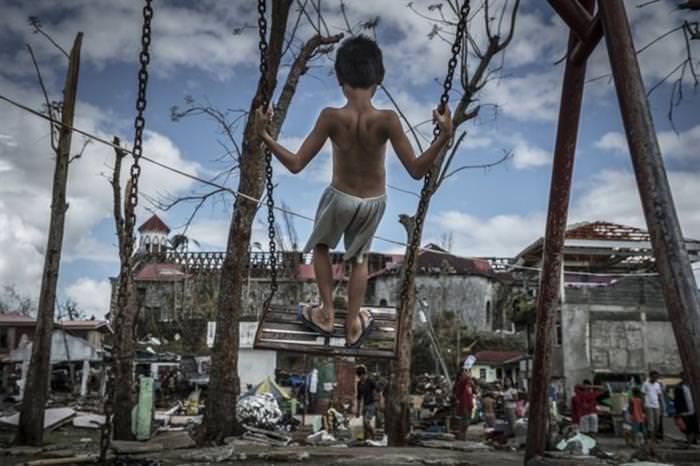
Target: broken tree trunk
[[31, 423], [220, 414], [124, 312], [219, 417]]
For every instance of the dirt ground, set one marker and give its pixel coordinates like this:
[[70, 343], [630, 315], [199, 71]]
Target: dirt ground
[[68, 441]]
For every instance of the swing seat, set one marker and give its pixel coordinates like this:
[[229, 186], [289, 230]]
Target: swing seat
[[280, 330]]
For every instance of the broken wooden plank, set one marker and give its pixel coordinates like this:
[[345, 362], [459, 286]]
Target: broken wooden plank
[[53, 418]]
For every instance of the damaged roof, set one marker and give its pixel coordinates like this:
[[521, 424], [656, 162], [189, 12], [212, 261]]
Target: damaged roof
[[154, 224]]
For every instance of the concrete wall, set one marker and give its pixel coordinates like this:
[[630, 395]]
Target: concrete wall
[[466, 295], [255, 365], [621, 328]]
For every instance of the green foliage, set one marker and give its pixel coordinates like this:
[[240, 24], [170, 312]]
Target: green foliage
[[523, 313]]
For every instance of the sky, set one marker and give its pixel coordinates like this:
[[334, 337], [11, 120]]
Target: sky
[[207, 50]]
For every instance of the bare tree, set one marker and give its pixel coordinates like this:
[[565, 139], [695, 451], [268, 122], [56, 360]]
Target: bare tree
[[219, 418], [31, 422], [472, 79]]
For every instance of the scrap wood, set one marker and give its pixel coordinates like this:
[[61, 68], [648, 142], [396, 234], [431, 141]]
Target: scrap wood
[[269, 433], [88, 458], [53, 418], [458, 445]]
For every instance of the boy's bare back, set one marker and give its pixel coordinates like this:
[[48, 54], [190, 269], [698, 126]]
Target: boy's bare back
[[359, 139]]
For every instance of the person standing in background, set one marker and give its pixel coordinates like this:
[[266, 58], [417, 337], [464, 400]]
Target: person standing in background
[[464, 396], [653, 405], [685, 408]]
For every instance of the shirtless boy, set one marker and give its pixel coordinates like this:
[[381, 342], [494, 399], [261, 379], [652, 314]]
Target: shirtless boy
[[353, 205]]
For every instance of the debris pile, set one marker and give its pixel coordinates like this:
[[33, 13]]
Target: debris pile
[[435, 391], [260, 411]]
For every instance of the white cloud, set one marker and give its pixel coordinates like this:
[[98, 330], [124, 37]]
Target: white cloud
[[199, 35], [610, 195], [25, 189], [91, 296], [533, 96], [613, 141], [682, 145], [501, 235], [527, 156]]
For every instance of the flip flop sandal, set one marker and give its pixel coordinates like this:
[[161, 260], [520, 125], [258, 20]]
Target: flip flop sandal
[[308, 322], [366, 330]]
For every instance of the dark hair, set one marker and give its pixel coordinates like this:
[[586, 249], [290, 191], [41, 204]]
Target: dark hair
[[587, 382], [654, 373], [358, 62], [636, 391], [360, 371]]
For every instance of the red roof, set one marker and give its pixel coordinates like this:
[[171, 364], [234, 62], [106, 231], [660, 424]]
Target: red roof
[[15, 318], [160, 272], [432, 258], [154, 224], [498, 357]]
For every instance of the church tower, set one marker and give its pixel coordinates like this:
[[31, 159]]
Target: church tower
[[153, 236]]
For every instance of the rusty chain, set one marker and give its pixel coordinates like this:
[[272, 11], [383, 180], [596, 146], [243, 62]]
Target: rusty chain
[[127, 240], [425, 191], [265, 101]]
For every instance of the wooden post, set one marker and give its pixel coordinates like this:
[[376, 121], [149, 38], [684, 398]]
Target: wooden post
[[675, 273], [552, 264], [31, 420], [84, 378]]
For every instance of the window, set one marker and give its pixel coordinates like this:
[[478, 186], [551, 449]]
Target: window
[[558, 334], [488, 313], [4, 339], [482, 373]]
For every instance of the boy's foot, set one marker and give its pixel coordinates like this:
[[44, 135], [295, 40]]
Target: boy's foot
[[357, 332], [316, 318]]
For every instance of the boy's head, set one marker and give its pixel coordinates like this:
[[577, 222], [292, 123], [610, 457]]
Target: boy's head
[[653, 376], [636, 392], [361, 371], [358, 63]]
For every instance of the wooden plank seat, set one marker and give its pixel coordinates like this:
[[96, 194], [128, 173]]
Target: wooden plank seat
[[280, 330]]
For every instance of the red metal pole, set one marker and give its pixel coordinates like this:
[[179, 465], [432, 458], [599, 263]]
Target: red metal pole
[[574, 15], [676, 276], [548, 296]]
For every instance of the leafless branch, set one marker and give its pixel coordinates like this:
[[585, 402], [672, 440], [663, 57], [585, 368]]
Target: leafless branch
[[403, 116], [35, 23], [506, 156], [49, 107], [86, 141]]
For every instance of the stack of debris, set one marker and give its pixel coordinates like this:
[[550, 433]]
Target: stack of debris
[[435, 390], [260, 411]]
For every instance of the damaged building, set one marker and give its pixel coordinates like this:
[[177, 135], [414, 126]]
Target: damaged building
[[177, 290], [613, 324]]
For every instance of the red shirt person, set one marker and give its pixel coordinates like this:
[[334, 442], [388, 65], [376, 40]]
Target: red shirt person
[[464, 397], [584, 407]]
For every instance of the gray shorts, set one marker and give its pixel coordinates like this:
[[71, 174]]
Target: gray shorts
[[354, 218]]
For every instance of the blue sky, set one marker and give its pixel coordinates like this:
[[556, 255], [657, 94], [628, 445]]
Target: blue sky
[[494, 212]]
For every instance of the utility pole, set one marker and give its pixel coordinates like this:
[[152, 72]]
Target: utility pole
[[31, 419]]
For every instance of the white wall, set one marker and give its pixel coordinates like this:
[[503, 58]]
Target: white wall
[[254, 365]]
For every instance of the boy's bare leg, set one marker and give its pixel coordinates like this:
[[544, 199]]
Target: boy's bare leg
[[356, 294], [325, 316]]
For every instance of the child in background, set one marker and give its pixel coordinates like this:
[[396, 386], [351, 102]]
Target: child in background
[[636, 416]]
